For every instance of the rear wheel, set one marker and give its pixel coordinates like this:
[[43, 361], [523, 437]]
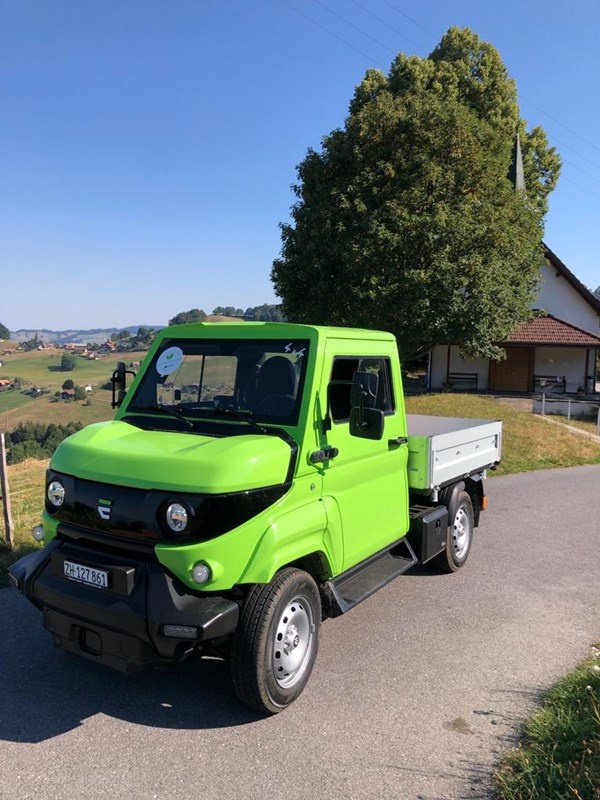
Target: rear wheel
[[460, 536], [275, 646]]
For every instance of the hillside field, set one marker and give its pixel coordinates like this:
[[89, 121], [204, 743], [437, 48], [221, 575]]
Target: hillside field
[[42, 369]]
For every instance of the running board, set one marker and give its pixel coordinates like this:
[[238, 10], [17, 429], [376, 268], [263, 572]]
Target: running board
[[361, 581]]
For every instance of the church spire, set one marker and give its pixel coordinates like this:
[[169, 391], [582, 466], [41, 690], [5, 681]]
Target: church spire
[[516, 174]]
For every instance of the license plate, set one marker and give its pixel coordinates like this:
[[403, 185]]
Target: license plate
[[87, 575]]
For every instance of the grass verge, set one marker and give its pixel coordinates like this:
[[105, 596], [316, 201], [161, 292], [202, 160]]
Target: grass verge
[[26, 482], [528, 442], [559, 757]]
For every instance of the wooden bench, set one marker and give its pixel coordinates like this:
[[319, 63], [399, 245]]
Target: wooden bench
[[462, 379], [552, 383]]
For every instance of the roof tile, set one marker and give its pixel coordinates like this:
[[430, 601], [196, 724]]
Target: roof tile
[[552, 331]]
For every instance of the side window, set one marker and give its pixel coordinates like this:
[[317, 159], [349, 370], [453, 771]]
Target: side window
[[343, 369]]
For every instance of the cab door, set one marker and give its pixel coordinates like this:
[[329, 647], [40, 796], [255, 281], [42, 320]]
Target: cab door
[[368, 478]]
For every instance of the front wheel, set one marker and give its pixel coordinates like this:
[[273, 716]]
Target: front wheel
[[460, 537], [275, 645]]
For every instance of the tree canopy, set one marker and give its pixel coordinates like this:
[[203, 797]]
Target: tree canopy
[[597, 292], [4, 332], [193, 315], [406, 220], [68, 362]]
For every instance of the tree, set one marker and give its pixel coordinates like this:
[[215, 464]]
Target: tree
[[597, 292], [68, 362], [265, 313], [405, 219], [80, 393], [68, 384], [225, 311], [4, 332], [184, 317]]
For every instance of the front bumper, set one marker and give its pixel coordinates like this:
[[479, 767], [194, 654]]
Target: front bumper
[[121, 626]]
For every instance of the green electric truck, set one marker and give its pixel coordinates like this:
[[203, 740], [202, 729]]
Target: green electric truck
[[256, 479]]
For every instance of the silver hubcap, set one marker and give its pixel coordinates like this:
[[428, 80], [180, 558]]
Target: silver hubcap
[[461, 532], [293, 642]]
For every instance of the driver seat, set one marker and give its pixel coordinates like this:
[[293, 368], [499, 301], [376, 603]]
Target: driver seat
[[276, 387]]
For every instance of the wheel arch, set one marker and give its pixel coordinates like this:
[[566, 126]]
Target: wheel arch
[[299, 538]]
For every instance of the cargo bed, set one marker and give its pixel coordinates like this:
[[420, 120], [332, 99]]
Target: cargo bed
[[444, 449]]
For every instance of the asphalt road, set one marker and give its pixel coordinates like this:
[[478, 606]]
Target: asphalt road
[[415, 694]]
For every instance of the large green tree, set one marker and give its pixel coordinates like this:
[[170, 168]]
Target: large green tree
[[4, 332], [406, 219]]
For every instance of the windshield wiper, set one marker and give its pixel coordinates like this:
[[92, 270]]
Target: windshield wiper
[[167, 410], [232, 412]]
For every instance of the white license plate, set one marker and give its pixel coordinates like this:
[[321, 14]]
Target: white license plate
[[87, 575]]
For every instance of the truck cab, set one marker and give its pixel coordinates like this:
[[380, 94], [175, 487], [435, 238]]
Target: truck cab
[[256, 479]]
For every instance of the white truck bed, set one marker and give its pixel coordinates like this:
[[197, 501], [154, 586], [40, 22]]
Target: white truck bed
[[444, 449]]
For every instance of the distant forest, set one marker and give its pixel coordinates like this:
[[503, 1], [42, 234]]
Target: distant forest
[[264, 313]]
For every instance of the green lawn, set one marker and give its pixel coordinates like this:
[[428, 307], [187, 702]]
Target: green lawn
[[13, 398], [26, 482], [528, 442], [559, 757]]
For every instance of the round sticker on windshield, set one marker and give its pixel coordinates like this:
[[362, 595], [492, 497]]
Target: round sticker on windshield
[[169, 360]]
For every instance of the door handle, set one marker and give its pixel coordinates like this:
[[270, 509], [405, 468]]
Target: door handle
[[326, 454], [398, 441]]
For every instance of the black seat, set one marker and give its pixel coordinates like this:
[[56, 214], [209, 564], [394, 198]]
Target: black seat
[[276, 387]]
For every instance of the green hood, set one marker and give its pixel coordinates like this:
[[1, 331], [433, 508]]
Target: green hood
[[118, 453]]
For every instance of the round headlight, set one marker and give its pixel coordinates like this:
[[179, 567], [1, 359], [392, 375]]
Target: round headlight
[[177, 517], [201, 573], [38, 533], [55, 494]]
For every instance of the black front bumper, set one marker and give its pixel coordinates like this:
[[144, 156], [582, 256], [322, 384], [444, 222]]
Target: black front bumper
[[121, 626]]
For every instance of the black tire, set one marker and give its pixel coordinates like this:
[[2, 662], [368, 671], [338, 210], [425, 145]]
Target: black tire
[[453, 558], [257, 681]]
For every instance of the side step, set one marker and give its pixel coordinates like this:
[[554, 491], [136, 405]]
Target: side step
[[361, 581]]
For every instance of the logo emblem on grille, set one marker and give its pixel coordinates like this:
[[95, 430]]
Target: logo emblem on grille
[[104, 508]]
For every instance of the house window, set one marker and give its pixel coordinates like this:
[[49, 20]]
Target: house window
[[343, 369]]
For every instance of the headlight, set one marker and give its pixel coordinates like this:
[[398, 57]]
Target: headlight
[[201, 573], [55, 494], [177, 517], [38, 533]]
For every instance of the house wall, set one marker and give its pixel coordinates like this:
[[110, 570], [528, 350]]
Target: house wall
[[439, 359], [564, 361], [558, 297]]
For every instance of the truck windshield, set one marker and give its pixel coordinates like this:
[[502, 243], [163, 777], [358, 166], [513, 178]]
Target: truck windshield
[[261, 380]]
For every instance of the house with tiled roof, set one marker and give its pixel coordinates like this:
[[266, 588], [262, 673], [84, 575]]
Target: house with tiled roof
[[555, 350]]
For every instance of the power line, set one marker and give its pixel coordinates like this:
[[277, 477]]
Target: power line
[[331, 33], [558, 122], [356, 28], [410, 19], [581, 169], [579, 186], [522, 96], [382, 44], [379, 19]]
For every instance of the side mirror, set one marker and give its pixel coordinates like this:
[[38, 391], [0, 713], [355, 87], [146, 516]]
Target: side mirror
[[119, 384], [366, 422]]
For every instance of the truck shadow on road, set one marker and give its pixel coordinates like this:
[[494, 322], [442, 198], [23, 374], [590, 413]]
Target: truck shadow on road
[[45, 692]]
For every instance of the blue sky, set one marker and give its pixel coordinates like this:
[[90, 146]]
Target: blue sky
[[147, 148]]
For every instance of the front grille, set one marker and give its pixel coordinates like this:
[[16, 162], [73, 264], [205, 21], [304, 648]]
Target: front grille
[[106, 543]]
